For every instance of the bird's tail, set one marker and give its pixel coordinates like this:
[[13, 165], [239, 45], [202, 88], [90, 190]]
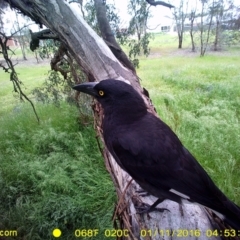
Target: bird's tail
[[232, 215]]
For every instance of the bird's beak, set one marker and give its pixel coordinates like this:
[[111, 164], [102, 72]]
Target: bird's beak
[[87, 88]]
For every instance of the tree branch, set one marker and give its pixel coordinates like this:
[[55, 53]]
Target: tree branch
[[155, 3], [108, 35], [42, 35], [13, 74]]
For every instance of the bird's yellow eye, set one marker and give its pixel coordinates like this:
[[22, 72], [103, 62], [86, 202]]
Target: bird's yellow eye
[[101, 93]]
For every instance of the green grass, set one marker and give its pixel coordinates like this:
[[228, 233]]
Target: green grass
[[200, 99], [30, 76], [52, 175], [163, 43]]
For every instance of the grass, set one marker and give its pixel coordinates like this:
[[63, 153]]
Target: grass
[[52, 174], [30, 77], [199, 98], [163, 43]]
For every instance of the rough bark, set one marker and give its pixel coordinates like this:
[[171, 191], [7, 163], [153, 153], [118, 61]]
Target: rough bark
[[21, 39], [192, 18], [216, 43], [92, 53], [42, 35]]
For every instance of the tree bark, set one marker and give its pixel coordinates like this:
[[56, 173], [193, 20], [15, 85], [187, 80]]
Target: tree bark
[[180, 40], [91, 53], [192, 18], [216, 46]]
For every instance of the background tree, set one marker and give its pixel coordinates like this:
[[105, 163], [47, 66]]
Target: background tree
[[139, 10], [232, 35], [205, 26], [213, 15], [192, 18], [236, 19], [3, 6], [221, 17], [180, 13], [21, 35], [218, 12]]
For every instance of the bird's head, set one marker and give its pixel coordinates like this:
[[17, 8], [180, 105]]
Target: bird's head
[[114, 95]]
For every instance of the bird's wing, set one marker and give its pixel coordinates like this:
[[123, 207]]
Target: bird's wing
[[157, 160]]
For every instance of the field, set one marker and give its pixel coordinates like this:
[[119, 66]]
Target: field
[[52, 174]]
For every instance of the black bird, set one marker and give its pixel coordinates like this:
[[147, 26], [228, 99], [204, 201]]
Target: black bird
[[151, 153]]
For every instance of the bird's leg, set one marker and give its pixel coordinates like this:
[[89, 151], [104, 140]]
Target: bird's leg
[[181, 209], [149, 208], [143, 193]]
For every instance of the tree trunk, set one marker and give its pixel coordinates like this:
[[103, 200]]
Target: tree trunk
[[216, 46], [180, 40], [192, 18], [205, 34], [188, 221], [192, 40], [180, 15], [21, 39]]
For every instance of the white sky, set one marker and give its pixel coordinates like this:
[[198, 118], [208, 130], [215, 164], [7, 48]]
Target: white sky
[[158, 13], [9, 20]]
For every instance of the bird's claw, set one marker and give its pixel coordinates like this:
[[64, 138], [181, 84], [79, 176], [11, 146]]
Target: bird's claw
[[142, 193], [148, 208]]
